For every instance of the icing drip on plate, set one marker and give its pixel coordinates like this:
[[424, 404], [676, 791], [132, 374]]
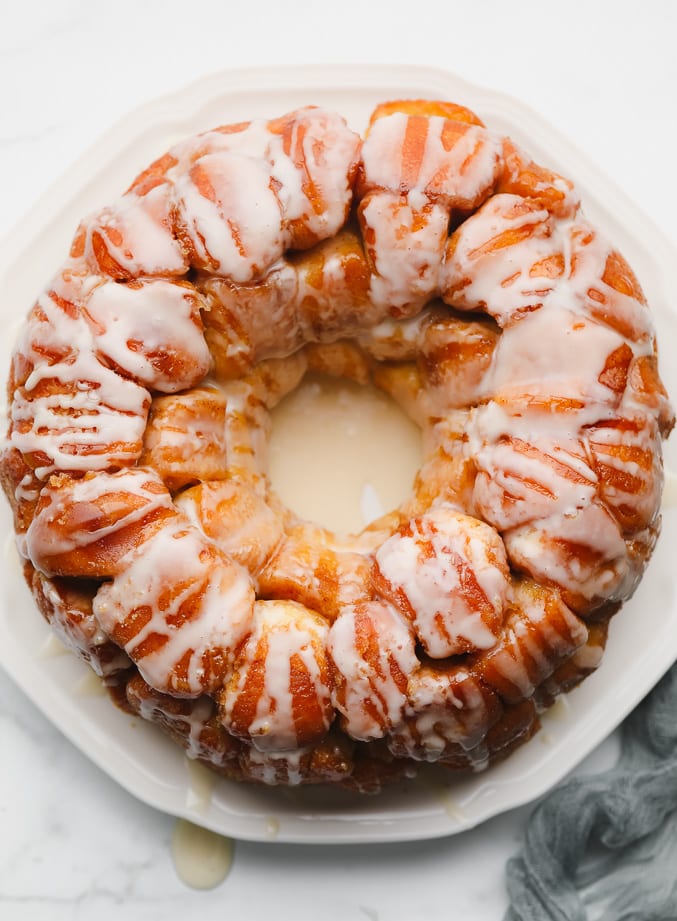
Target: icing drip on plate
[[202, 858]]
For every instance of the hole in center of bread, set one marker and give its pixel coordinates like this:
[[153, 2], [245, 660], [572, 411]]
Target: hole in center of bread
[[342, 454]]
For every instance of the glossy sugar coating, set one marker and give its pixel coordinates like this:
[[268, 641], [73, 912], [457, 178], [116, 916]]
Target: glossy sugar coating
[[433, 259]]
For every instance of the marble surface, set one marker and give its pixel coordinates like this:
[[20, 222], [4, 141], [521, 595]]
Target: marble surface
[[73, 845]]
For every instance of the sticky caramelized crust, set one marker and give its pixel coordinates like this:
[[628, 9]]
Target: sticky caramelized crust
[[520, 175], [539, 632], [193, 723], [237, 519], [447, 707], [185, 438], [66, 605], [21, 487], [433, 259], [314, 569], [426, 107]]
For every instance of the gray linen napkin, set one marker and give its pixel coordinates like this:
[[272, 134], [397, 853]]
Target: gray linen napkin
[[604, 846]]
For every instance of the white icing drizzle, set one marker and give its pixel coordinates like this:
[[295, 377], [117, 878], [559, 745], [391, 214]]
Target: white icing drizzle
[[231, 215], [452, 572], [185, 437], [78, 513], [89, 685], [372, 691], [455, 163], [607, 571], [197, 605], [423, 168], [312, 161], [631, 474], [395, 340], [81, 414], [309, 154], [191, 720], [494, 250], [71, 408], [588, 657], [284, 636], [245, 196], [274, 767], [248, 139], [539, 632], [559, 712], [70, 616], [246, 428], [450, 805], [551, 363], [560, 426], [200, 712], [27, 490], [136, 233], [520, 481], [201, 783], [406, 251], [445, 709], [152, 331]]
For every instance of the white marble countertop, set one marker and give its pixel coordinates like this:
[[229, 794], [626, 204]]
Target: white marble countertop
[[73, 845]]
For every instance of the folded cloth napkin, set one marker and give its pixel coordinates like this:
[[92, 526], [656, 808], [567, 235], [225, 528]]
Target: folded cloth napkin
[[604, 846]]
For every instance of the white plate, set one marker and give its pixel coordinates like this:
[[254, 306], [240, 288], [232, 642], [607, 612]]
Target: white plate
[[643, 641]]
